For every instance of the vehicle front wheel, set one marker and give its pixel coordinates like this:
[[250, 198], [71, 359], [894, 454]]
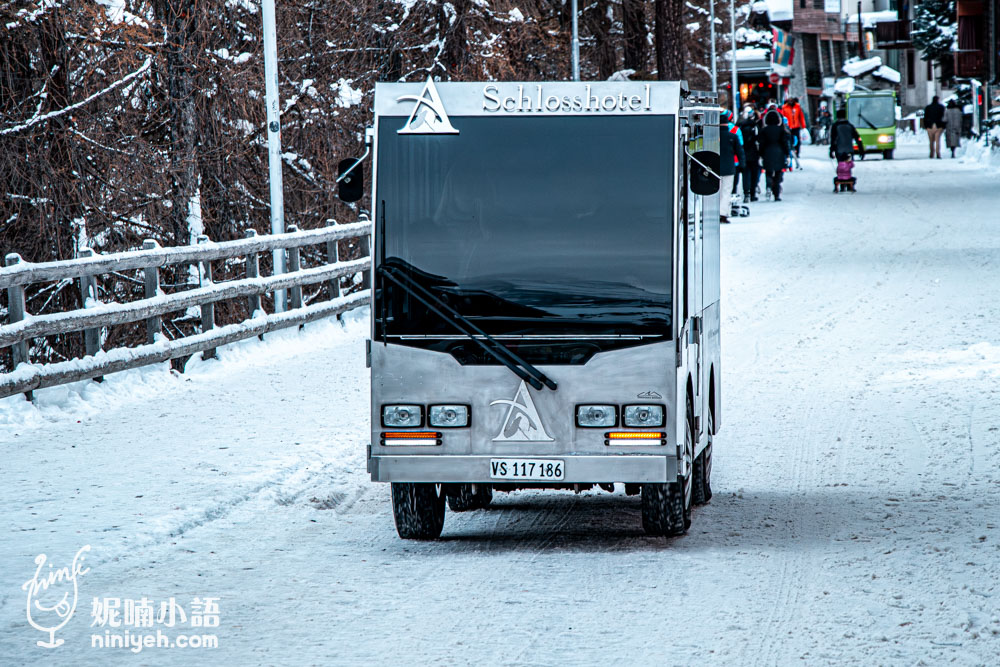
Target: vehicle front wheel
[[465, 497], [666, 508], [887, 155], [418, 510]]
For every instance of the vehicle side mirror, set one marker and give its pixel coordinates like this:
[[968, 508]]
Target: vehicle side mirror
[[704, 181], [350, 180]]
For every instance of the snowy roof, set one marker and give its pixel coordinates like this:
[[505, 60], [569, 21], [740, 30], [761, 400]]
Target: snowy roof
[[777, 10], [746, 35], [845, 85], [749, 53], [857, 67], [888, 73], [869, 19]]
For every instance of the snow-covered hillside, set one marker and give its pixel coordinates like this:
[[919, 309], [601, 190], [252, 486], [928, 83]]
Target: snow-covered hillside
[[857, 478]]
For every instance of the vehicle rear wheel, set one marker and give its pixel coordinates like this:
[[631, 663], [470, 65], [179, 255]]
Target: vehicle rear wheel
[[462, 498], [887, 155], [418, 510], [702, 490], [666, 508]]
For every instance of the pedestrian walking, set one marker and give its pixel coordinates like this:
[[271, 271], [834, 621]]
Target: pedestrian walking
[[953, 126], [730, 157], [823, 122], [934, 124], [796, 122], [843, 139], [773, 147], [750, 128]]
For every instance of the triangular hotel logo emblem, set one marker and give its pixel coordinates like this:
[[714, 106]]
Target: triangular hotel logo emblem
[[521, 423], [428, 115]]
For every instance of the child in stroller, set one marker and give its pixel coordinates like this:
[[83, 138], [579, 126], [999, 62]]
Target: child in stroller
[[845, 179]]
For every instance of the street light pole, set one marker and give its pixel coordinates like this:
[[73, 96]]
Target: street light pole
[[711, 25], [732, 58], [273, 140], [576, 43]]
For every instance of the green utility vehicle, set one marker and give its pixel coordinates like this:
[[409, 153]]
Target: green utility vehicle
[[873, 113]]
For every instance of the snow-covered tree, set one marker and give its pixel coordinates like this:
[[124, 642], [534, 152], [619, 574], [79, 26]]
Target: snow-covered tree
[[934, 26]]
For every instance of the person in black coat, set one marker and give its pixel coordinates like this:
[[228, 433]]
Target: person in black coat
[[772, 145], [750, 127], [934, 124], [731, 159], [843, 138]]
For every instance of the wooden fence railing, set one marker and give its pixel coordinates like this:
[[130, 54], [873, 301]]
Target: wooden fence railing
[[23, 327]]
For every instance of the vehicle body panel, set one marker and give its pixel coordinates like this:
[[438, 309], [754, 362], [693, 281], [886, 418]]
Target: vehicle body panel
[[643, 370]]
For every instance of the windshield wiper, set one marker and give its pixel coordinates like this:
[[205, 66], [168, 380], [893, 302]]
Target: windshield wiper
[[862, 117], [496, 349]]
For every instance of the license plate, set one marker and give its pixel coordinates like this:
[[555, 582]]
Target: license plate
[[542, 470]]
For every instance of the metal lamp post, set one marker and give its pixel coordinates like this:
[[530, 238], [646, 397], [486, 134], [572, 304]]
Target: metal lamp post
[[273, 140], [576, 42]]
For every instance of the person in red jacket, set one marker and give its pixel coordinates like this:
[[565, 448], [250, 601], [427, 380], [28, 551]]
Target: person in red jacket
[[796, 121]]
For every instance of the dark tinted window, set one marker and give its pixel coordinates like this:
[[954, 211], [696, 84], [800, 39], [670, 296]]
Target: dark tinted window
[[531, 226], [869, 113]]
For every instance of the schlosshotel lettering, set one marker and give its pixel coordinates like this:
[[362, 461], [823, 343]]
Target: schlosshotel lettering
[[536, 101]]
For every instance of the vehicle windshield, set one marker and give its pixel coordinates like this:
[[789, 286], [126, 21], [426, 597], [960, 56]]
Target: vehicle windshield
[[542, 227], [869, 113]]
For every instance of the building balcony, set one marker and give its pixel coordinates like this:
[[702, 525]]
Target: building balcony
[[971, 64], [893, 35]]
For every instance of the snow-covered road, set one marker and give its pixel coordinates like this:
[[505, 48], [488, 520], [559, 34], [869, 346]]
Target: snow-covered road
[[857, 479]]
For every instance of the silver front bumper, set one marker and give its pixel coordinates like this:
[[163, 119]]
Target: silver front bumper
[[630, 468]]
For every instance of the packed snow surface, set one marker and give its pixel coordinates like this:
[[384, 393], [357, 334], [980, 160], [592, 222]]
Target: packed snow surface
[[857, 478]]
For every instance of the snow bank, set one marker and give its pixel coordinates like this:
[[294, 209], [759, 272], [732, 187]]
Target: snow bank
[[977, 154], [84, 399]]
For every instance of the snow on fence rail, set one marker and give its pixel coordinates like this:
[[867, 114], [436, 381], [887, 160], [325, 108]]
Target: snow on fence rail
[[94, 315]]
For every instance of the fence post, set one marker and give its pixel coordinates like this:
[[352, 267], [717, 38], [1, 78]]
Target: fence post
[[366, 276], [207, 309], [253, 271], [295, 293], [151, 277], [88, 289], [332, 257], [16, 310]]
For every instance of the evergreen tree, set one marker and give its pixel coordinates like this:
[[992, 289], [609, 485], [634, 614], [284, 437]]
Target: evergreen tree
[[934, 25]]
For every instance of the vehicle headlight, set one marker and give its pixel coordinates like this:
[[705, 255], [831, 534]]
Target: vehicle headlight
[[644, 415], [448, 416], [885, 138], [594, 416], [402, 415]]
